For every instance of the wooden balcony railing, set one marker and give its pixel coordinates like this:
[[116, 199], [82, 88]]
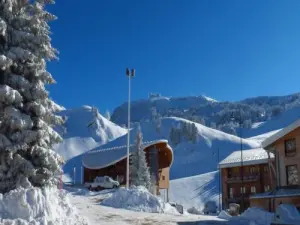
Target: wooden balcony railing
[[246, 178]]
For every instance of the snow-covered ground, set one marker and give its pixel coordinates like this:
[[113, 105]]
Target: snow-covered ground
[[88, 205]]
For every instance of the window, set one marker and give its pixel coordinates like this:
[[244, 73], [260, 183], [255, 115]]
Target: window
[[267, 188], [253, 189], [163, 178], [266, 169], [253, 170], [292, 175], [243, 190], [290, 147], [230, 192], [235, 170]]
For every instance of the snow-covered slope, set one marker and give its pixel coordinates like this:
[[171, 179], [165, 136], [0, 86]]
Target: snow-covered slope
[[189, 158], [84, 129], [215, 114], [142, 109], [276, 123], [195, 191], [199, 157]]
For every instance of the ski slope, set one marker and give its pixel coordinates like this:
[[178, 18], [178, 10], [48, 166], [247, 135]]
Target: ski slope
[[195, 191], [276, 123]]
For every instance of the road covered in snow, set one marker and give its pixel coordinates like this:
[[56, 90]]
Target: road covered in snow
[[88, 206]]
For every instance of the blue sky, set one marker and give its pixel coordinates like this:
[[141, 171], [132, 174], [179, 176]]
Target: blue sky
[[228, 50]]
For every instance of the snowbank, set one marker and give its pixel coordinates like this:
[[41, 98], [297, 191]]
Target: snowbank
[[224, 215], [195, 211], [35, 206], [168, 209], [136, 199], [253, 216], [288, 213]]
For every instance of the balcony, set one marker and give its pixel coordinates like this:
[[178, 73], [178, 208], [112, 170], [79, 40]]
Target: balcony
[[246, 178]]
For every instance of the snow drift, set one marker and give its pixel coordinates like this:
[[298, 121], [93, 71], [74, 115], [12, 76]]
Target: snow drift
[[224, 215], [288, 213], [136, 199], [35, 206], [252, 216]]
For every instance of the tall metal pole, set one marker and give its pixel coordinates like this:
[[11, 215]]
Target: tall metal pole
[[242, 169], [128, 134], [220, 207]]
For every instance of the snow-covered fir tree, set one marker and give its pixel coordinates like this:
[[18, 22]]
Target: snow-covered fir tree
[[156, 119], [107, 115], [139, 170], [27, 114], [194, 132]]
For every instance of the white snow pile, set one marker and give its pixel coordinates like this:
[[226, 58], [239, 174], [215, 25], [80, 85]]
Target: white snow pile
[[35, 206], [136, 199], [288, 213], [224, 215], [253, 216], [194, 210], [168, 209]]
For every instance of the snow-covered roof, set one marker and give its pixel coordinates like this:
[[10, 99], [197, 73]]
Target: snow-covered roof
[[110, 154], [270, 140], [280, 193], [250, 157]]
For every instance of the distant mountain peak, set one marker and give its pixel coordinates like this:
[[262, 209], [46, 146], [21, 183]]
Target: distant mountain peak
[[85, 128], [209, 98]]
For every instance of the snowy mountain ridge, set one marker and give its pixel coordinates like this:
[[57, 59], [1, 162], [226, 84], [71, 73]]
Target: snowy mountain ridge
[[84, 129], [191, 157], [209, 112]]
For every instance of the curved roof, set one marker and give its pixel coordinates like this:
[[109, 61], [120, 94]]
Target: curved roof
[[115, 151]]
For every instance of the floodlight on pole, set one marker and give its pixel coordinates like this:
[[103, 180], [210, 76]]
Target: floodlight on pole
[[130, 73]]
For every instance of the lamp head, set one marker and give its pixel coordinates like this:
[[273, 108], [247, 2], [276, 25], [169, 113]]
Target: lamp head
[[127, 72]]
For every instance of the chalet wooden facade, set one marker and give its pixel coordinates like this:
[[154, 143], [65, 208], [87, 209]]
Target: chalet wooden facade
[[285, 145], [112, 162], [240, 179]]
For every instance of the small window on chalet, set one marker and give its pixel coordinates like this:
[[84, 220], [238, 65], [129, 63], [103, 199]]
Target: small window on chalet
[[267, 188], [236, 170], [292, 175], [243, 190], [231, 193], [163, 178], [254, 169], [253, 189], [290, 147]]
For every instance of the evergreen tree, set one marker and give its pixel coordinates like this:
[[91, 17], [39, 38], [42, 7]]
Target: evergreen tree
[[27, 114], [194, 132], [107, 115], [139, 169]]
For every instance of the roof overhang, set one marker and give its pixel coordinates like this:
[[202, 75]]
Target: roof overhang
[[281, 193], [270, 140], [245, 163]]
